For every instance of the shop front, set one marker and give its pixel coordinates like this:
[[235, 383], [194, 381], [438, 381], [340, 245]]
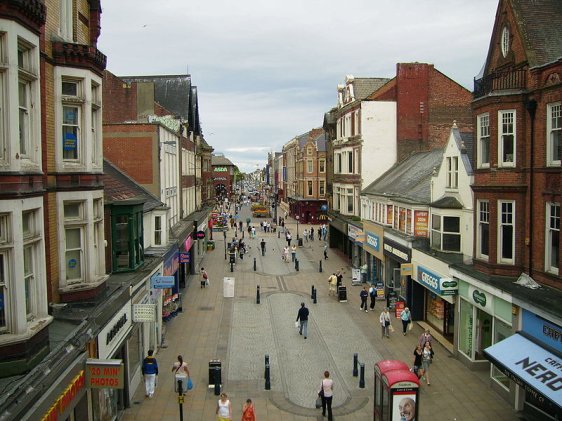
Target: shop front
[[171, 299], [398, 287], [438, 296], [532, 360], [356, 238], [66, 399], [308, 211], [374, 256], [338, 234], [108, 404]]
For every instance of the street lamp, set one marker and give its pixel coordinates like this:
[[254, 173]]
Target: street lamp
[[297, 218]]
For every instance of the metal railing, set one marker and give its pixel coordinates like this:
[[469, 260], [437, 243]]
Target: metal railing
[[500, 81]]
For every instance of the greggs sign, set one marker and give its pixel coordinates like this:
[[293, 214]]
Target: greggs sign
[[66, 398]]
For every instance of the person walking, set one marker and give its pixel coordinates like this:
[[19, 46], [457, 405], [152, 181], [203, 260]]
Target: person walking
[[248, 411], [150, 372], [325, 251], [373, 296], [180, 367], [311, 233], [385, 322], [305, 235], [425, 337], [332, 283], [262, 244], [339, 275], [406, 318], [326, 392], [418, 355], [224, 408], [285, 256], [288, 238], [204, 277], [364, 294], [302, 316], [427, 359], [293, 252]]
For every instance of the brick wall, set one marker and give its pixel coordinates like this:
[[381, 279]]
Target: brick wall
[[119, 99]]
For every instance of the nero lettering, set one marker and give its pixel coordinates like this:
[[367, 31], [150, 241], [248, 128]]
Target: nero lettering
[[540, 373]]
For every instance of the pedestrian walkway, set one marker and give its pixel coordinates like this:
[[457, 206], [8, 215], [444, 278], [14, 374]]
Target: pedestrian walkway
[[240, 333]]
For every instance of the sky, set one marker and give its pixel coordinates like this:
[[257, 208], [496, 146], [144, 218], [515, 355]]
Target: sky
[[267, 71]]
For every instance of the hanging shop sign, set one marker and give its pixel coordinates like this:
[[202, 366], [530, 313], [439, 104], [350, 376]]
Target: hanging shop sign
[[102, 374], [542, 329], [481, 299], [144, 313], [185, 257], [200, 235], [355, 234], [112, 335], [162, 282], [406, 269]]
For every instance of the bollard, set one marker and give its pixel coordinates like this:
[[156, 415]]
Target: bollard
[[278, 234], [258, 295], [312, 292], [180, 398], [266, 364], [231, 267], [217, 381], [314, 297], [242, 234], [267, 378], [297, 265], [355, 362], [362, 376], [320, 267], [254, 264]]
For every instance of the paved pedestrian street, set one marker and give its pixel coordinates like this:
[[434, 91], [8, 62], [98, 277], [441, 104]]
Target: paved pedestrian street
[[240, 333]]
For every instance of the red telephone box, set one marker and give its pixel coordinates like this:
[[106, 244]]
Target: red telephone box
[[396, 392]]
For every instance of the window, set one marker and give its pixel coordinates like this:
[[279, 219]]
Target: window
[[71, 117], [26, 80], [337, 199], [309, 185], [66, 21], [483, 228], [552, 243], [338, 163], [322, 188], [484, 140], [309, 150], [74, 248], [350, 201], [3, 292], [453, 172], [309, 166], [350, 162], [505, 41], [322, 166], [554, 133], [157, 230], [96, 124], [31, 242], [445, 233], [507, 138], [127, 231], [506, 232]]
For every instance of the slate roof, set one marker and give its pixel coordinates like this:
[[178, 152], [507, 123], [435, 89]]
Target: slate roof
[[468, 150], [219, 160], [409, 180], [365, 86], [320, 142], [540, 26], [447, 202], [119, 187]]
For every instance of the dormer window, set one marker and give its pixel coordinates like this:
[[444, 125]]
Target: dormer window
[[505, 41]]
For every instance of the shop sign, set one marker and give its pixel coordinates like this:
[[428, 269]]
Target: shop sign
[[188, 243], [355, 233], [220, 169], [481, 299], [185, 257], [104, 374], [162, 282], [393, 249], [541, 329], [373, 241], [171, 261], [200, 235], [64, 401], [219, 178], [117, 329], [421, 224], [406, 269], [448, 286], [144, 313]]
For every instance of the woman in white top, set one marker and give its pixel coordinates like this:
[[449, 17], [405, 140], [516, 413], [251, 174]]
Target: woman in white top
[[326, 393], [224, 409], [180, 367]]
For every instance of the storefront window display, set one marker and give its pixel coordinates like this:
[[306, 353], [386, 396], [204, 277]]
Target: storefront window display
[[482, 334], [105, 402], [466, 329], [501, 331], [440, 314]]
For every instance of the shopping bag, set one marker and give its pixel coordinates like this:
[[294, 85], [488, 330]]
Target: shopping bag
[[189, 384], [410, 325], [297, 325], [390, 328], [318, 403], [207, 282]]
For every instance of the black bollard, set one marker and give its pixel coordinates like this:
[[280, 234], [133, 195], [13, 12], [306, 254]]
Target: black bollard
[[254, 264], [266, 364], [267, 378], [297, 265], [312, 292], [314, 296], [355, 362], [217, 381], [258, 295], [362, 376], [278, 234], [320, 267], [231, 267]]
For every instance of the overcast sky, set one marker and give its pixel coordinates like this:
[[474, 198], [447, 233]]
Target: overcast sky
[[267, 71]]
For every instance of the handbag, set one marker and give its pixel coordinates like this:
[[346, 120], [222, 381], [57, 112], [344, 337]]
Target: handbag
[[391, 328], [318, 403], [297, 325], [410, 325], [189, 383]]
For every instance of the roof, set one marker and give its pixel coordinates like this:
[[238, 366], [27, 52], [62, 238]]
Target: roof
[[365, 86], [540, 27], [465, 144], [447, 202], [408, 180], [320, 142], [217, 160], [119, 187]]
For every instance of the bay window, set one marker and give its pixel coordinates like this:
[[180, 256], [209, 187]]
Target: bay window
[[445, 233], [552, 241], [554, 133], [506, 141], [483, 131], [483, 239], [506, 232]]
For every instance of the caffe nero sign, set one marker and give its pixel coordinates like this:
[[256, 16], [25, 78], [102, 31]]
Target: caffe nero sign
[[437, 284]]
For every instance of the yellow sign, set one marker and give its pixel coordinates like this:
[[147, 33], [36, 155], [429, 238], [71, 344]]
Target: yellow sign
[[102, 374], [65, 399], [406, 269]]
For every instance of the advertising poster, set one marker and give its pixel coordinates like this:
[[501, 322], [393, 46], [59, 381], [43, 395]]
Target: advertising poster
[[404, 407], [421, 224]]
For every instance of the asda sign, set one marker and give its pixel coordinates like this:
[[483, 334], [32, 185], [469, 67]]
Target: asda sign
[[437, 284]]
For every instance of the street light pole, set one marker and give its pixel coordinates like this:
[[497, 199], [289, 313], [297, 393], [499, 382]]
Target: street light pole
[[297, 218]]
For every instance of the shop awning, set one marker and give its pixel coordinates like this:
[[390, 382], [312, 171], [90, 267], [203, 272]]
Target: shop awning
[[530, 366]]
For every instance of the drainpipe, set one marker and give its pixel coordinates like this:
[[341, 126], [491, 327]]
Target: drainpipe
[[531, 106]]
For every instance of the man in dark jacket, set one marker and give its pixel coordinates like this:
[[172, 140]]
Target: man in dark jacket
[[150, 371], [303, 317]]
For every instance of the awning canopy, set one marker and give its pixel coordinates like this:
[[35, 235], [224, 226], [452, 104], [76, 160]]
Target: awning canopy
[[530, 366]]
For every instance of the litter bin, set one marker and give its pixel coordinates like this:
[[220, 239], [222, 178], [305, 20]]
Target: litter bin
[[342, 294], [214, 374], [210, 245], [300, 242]]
